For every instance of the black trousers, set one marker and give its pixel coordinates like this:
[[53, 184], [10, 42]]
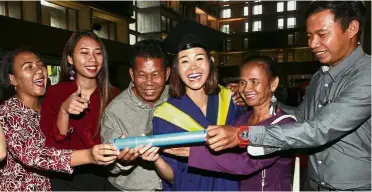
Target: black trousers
[[84, 178]]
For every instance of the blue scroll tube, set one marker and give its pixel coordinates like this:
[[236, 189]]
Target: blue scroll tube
[[161, 140]]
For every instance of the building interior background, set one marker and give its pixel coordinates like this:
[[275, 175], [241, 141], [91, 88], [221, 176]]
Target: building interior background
[[275, 28]]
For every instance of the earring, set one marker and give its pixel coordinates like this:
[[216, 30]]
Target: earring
[[71, 73], [273, 105]]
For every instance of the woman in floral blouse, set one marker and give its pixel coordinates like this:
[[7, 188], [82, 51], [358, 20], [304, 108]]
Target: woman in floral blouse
[[23, 79]]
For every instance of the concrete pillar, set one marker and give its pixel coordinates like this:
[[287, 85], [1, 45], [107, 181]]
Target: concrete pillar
[[85, 18], [29, 11], [204, 19], [122, 29]]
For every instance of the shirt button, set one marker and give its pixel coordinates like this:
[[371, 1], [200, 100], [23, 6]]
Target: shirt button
[[320, 106], [320, 162], [326, 85]]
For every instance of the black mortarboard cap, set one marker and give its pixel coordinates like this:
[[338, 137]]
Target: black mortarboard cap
[[188, 34]]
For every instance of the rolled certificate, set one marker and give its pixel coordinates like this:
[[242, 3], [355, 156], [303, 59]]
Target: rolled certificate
[[161, 140]]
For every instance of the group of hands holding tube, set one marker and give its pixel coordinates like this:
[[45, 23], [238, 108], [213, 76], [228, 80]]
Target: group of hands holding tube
[[218, 138]]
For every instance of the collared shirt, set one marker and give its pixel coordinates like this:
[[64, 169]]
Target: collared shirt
[[129, 115], [335, 121]]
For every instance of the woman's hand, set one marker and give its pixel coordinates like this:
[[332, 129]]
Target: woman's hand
[[74, 104], [103, 154], [149, 153], [178, 151], [237, 99]]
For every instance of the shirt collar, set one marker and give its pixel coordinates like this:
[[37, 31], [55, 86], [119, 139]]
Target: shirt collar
[[139, 101], [339, 69]]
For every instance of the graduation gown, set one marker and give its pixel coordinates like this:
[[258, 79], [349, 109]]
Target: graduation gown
[[193, 179]]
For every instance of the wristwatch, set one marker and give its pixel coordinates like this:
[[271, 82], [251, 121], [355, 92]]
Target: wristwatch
[[243, 136]]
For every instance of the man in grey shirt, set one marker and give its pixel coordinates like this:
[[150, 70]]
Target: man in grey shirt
[[130, 114], [335, 117]]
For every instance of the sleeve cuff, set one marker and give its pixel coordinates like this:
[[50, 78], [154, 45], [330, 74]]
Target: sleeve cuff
[[256, 134], [124, 168], [261, 142], [59, 137], [117, 168]]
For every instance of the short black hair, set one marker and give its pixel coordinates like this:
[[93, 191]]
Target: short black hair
[[149, 49], [7, 90], [344, 12], [270, 63]]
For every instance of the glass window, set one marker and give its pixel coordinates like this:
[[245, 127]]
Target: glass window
[[132, 39], [246, 11], [226, 13], [257, 26], [290, 57], [58, 16], [290, 39], [104, 29], [112, 31], [280, 7], [245, 43], [132, 26], [53, 15], [163, 23], [257, 9], [169, 24], [291, 5], [14, 9], [225, 28], [2, 8], [280, 55], [53, 73], [72, 19], [246, 27], [291, 22], [280, 23], [10, 9], [228, 44]]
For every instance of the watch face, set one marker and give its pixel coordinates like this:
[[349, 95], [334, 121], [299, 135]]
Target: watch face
[[244, 135]]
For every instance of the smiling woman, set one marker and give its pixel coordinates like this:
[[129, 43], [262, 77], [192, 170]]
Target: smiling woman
[[196, 94], [71, 110]]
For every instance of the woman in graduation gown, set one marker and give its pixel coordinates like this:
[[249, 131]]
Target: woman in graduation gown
[[195, 93]]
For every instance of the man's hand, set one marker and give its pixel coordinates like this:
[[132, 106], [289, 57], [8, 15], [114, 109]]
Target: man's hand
[[178, 151], [128, 155], [222, 137]]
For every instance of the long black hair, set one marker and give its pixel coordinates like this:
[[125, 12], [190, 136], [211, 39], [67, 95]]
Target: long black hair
[[104, 86]]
